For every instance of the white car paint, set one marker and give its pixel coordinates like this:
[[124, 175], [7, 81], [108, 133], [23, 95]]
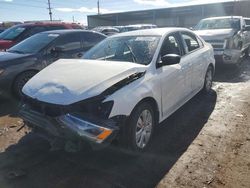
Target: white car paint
[[69, 81]]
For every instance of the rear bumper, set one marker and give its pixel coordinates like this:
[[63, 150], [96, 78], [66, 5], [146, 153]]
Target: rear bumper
[[227, 56], [72, 126]]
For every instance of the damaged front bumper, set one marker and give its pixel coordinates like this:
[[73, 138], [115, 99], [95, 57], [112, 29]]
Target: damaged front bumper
[[227, 56], [72, 125]]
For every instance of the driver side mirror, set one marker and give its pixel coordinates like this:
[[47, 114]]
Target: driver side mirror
[[170, 59]]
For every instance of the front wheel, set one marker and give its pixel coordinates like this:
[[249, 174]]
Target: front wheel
[[20, 81], [208, 80], [139, 130]]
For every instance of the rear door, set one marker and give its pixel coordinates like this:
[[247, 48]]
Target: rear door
[[194, 61]]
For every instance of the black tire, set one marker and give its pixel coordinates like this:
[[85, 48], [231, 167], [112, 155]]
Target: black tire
[[129, 133], [20, 81], [208, 82]]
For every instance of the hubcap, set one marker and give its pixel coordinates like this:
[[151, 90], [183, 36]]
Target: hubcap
[[209, 80], [144, 128]]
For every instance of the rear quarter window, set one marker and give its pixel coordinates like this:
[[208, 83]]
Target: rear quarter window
[[190, 41]]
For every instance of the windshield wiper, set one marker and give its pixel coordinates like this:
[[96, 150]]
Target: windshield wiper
[[133, 55]]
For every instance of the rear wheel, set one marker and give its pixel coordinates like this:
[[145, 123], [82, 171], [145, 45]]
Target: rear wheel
[[139, 130], [20, 81], [208, 80]]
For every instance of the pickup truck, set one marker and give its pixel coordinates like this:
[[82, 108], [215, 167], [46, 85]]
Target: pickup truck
[[229, 36]]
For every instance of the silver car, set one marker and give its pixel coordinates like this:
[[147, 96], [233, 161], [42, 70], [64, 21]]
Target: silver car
[[229, 36]]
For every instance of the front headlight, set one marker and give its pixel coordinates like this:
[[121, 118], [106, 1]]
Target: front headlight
[[85, 128]]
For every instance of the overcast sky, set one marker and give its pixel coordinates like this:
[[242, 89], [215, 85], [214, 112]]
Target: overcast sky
[[22, 10]]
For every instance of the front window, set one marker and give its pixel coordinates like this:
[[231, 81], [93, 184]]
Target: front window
[[136, 49], [222, 23], [34, 44], [12, 33]]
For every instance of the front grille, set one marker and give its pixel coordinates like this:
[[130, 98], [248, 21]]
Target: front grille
[[45, 108], [217, 44]]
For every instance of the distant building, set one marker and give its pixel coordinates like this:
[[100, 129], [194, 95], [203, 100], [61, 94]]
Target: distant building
[[186, 16]]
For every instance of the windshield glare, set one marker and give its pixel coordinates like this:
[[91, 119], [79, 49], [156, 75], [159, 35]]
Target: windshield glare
[[136, 49], [225, 23], [34, 43], [12, 33]]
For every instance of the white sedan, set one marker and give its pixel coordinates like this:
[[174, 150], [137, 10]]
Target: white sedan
[[122, 89]]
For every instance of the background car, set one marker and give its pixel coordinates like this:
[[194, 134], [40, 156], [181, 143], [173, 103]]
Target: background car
[[18, 33], [126, 28], [139, 27], [229, 36], [106, 30], [140, 78], [25, 59]]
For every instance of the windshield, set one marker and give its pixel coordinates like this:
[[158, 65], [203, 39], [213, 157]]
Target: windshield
[[12, 33], [34, 43], [225, 23], [136, 49]]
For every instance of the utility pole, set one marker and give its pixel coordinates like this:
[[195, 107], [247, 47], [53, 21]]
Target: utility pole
[[98, 7], [50, 13]]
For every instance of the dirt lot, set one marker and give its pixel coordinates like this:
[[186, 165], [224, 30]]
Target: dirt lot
[[204, 144]]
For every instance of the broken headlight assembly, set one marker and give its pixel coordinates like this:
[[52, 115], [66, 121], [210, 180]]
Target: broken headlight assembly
[[97, 132]]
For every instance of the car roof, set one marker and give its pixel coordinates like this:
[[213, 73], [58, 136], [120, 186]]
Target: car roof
[[67, 31], [154, 31]]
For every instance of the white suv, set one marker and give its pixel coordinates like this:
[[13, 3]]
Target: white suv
[[122, 89]]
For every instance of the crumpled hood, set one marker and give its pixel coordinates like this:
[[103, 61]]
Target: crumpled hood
[[215, 34], [69, 80]]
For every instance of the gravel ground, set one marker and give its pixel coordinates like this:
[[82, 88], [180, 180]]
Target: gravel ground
[[206, 143]]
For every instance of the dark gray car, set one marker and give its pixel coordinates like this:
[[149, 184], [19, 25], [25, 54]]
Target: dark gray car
[[24, 60]]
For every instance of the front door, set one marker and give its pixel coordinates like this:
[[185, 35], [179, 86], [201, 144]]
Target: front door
[[173, 78]]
